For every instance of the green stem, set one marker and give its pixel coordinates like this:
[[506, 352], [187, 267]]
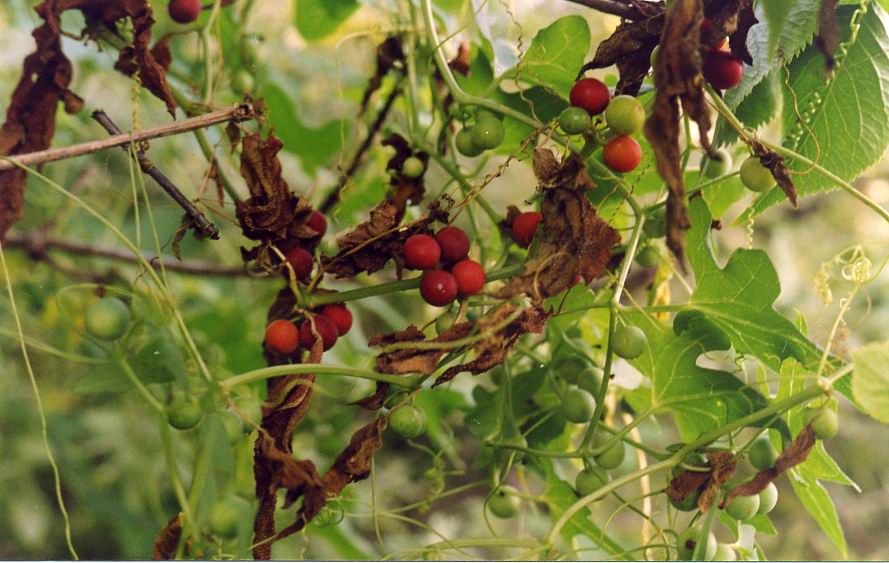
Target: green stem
[[134, 379], [295, 369], [178, 488]]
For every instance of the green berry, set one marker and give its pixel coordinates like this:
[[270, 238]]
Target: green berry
[[648, 257], [233, 425], [762, 454], [577, 405], [225, 516], [687, 504], [716, 167], [755, 176], [465, 144], [574, 120], [768, 498], [743, 507], [184, 412], [487, 132], [625, 115], [823, 421], [725, 552], [407, 421], [589, 479], [107, 318], [688, 541], [568, 368], [413, 167], [612, 457], [503, 503], [629, 342], [590, 379], [242, 82]]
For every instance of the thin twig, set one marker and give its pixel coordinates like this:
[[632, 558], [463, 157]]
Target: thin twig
[[198, 220], [613, 7], [37, 243]]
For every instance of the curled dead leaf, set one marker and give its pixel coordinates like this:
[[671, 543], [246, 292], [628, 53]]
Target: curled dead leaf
[[775, 163], [167, 540], [416, 360], [796, 453]]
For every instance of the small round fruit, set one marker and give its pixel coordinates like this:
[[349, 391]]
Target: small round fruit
[[413, 167], [524, 226], [454, 243], [568, 368], [625, 115], [503, 503], [688, 504], [407, 421], [723, 70], [574, 120], [107, 318], [184, 412], [242, 82], [591, 95], [341, 317], [438, 288], [301, 262], [465, 145], [590, 379], [725, 552], [762, 454], [233, 426], [648, 257], [622, 154], [612, 457], [470, 277], [743, 507], [184, 11], [325, 328], [629, 342], [487, 132], [755, 176], [225, 517], [768, 498], [824, 422], [282, 336], [588, 480], [688, 541], [716, 167], [421, 252], [577, 405], [317, 222]]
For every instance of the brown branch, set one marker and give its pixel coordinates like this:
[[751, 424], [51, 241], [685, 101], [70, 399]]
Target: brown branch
[[626, 10], [239, 112], [199, 221], [37, 243]]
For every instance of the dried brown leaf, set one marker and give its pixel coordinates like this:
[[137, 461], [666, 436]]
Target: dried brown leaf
[[630, 48], [404, 189], [415, 360], [796, 453], [389, 53], [775, 163], [708, 482], [828, 33], [167, 540]]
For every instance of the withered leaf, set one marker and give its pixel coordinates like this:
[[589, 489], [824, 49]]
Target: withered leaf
[[828, 33], [461, 63], [404, 189], [797, 452], [389, 53], [688, 482], [415, 360], [493, 349], [167, 540], [570, 173], [630, 48], [775, 163]]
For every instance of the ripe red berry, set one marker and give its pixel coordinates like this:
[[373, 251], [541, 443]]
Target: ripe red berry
[[301, 262], [622, 153], [453, 242], [325, 328], [341, 317], [421, 252], [438, 288], [282, 336], [317, 222], [470, 276], [591, 95], [524, 226], [184, 11], [723, 70]]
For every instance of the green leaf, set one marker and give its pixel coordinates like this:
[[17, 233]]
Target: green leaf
[[776, 14], [316, 19], [846, 127], [315, 147], [757, 109], [819, 504], [556, 53], [870, 382]]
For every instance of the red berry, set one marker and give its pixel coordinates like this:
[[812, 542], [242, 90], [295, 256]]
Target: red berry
[[438, 288], [184, 11], [421, 252], [282, 336], [301, 262], [622, 153], [325, 328], [591, 95], [524, 226], [341, 317], [317, 222], [470, 276], [723, 70], [453, 242]]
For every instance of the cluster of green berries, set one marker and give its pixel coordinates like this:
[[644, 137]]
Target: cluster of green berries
[[448, 270], [485, 133]]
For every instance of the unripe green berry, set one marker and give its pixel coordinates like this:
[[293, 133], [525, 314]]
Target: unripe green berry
[[574, 120], [762, 454], [743, 507], [823, 421], [755, 176], [629, 342], [588, 480], [407, 421], [503, 503], [465, 143], [716, 167], [413, 167], [768, 498], [577, 405], [625, 115]]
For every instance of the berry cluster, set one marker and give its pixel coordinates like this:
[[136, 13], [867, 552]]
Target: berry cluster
[[184, 11], [624, 116], [486, 133], [299, 258], [721, 68], [332, 321], [460, 275]]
